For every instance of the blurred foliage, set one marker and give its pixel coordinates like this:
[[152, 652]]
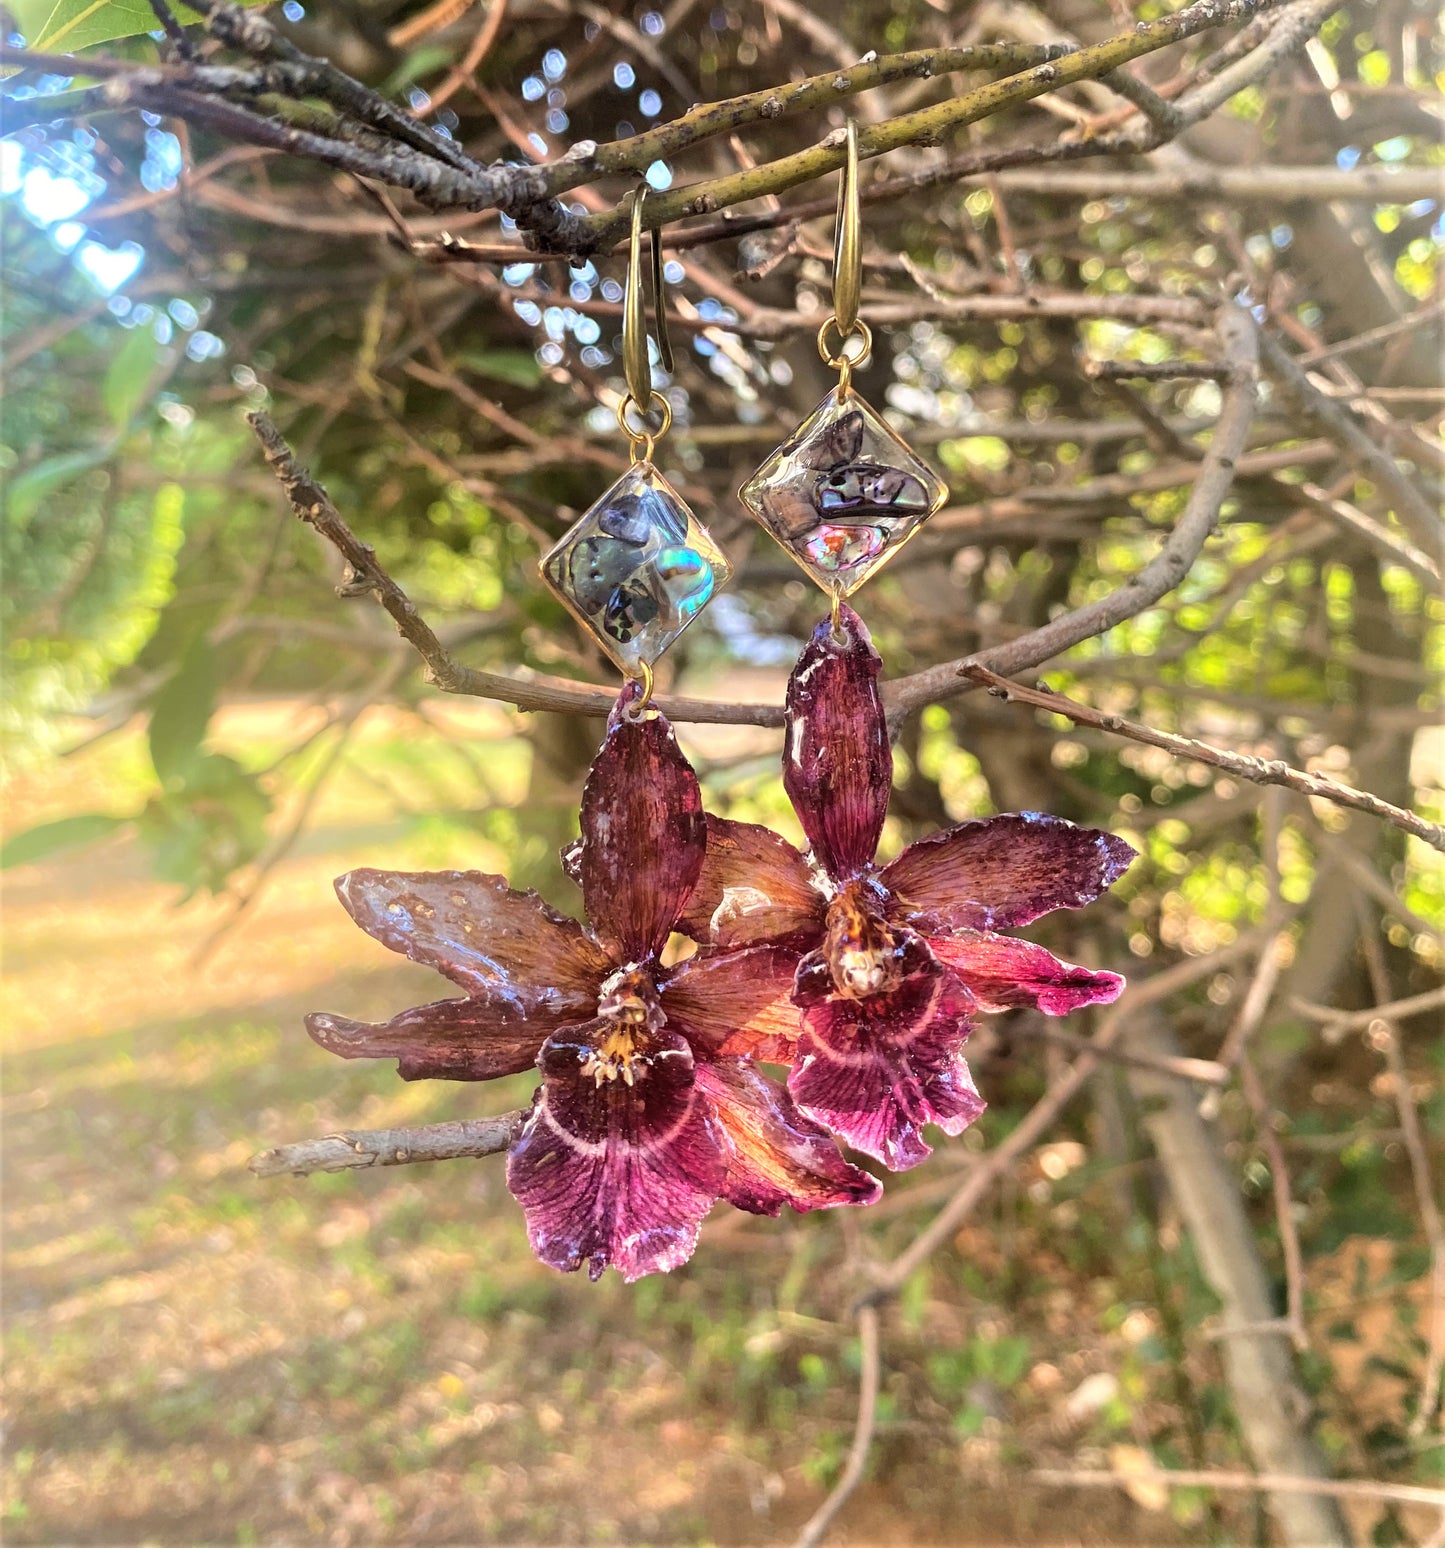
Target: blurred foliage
[[157, 593]]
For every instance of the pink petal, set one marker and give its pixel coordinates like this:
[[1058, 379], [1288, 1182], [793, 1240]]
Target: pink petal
[[754, 887], [1003, 972], [736, 1002], [837, 762], [643, 835], [873, 1071], [504, 946], [609, 1172], [778, 1156], [448, 1040], [1000, 872]]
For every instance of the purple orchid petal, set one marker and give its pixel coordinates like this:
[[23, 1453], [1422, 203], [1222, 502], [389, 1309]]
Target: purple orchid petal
[[1003, 972], [874, 1070], [837, 762], [621, 1157], [1001, 872], [754, 887], [643, 835], [448, 1040], [778, 1156], [504, 946], [735, 1003]]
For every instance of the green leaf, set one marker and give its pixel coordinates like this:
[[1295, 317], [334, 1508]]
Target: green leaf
[[517, 367], [28, 489], [72, 24], [128, 376], [49, 838], [183, 710], [421, 61]]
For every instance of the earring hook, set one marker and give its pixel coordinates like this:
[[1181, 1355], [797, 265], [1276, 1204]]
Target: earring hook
[[636, 367], [847, 249]]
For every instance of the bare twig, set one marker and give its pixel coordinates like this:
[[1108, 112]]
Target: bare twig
[[1259, 771], [1263, 1483], [349, 1149], [816, 1527], [1352, 1021]]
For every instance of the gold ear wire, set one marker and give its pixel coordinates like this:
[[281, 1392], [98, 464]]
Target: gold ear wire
[[847, 251], [636, 367]]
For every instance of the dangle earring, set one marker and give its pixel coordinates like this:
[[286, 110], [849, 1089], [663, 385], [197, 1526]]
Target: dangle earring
[[844, 493], [638, 566]]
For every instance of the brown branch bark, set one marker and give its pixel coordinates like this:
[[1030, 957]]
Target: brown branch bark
[[350, 1149]]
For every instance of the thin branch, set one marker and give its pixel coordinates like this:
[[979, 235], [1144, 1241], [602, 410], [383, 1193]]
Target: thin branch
[[1260, 771], [1385, 1036], [1262, 1483], [816, 1527], [1351, 1021], [349, 1149]]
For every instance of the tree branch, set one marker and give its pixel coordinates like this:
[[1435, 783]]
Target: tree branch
[[1259, 771], [350, 1149]]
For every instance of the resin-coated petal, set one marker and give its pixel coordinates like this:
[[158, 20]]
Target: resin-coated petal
[[643, 834], [754, 887], [1001, 872], [505, 946], [735, 1002], [1003, 973], [874, 1071], [448, 1040], [837, 762], [617, 1168], [778, 1156]]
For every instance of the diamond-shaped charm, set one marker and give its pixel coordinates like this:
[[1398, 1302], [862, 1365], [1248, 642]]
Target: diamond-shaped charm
[[637, 567], [844, 494]]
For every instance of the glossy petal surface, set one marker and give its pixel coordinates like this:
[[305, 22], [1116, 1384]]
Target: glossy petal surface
[[735, 1003], [837, 762], [844, 493], [643, 835], [1003, 972], [754, 887], [504, 946], [1001, 872], [778, 1157], [447, 1040], [874, 1071], [613, 1170], [637, 568]]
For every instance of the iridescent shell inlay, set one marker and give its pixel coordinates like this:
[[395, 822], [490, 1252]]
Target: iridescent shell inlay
[[637, 567], [844, 494]]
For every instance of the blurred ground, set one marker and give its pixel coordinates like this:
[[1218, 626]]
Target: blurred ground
[[195, 1356]]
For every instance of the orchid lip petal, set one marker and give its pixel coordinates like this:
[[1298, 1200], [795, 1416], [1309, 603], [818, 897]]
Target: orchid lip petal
[[621, 1157], [874, 1070]]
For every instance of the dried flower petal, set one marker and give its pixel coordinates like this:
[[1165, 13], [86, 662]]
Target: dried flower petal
[[643, 835], [621, 1157], [754, 887], [1003, 972], [998, 873], [447, 1040], [837, 762], [504, 946], [778, 1156], [736, 1003], [875, 1070]]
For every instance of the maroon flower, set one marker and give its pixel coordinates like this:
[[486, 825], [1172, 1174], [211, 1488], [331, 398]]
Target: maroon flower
[[895, 959], [648, 1112]]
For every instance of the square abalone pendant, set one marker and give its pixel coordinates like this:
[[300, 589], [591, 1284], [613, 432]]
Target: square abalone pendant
[[844, 494], [637, 567]]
